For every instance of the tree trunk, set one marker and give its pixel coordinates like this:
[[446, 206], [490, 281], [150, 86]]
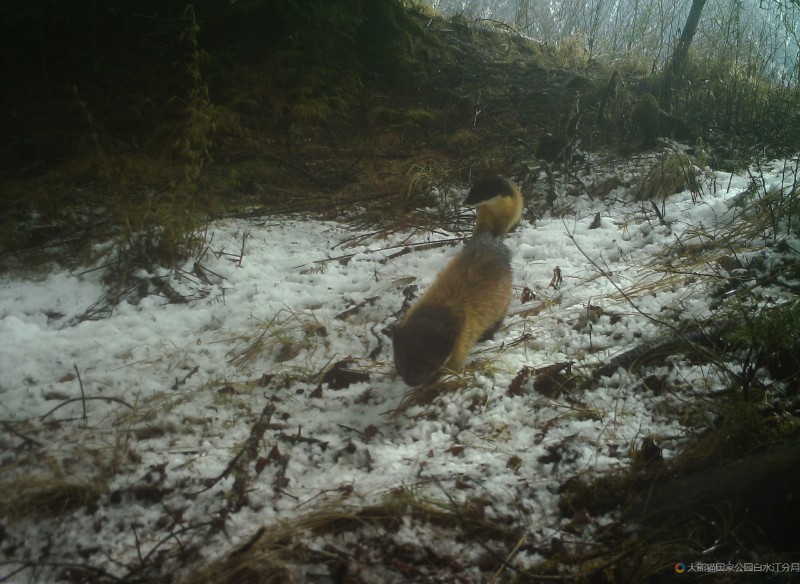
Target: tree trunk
[[762, 487], [676, 65]]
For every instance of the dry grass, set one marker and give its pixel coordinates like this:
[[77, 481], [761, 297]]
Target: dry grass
[[767, 214], [26, 496], [285, 336], [674, 172], [58, 472], [280, 553], [428, 393]]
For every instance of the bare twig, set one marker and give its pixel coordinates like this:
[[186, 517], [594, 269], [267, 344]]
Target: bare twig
[[241, 255], [247, 546], [162, 541], [8, 427], [660, 216], [85, 399], [246, 455], [138, 546], [404, 249], [83, 394], [98, 572]]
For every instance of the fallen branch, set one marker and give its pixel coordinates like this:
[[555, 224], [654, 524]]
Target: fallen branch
[[85, 399], [83, 394], [246, 456], [8, 427]]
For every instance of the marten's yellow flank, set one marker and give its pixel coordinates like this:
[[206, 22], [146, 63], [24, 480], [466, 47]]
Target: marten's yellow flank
[[499, 202], [466, 303]]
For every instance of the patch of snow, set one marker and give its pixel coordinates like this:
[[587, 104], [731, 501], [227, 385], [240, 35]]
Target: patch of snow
[[182, 383]]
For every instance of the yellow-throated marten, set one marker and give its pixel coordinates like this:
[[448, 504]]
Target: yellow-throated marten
[[499, 203], [466, 303]]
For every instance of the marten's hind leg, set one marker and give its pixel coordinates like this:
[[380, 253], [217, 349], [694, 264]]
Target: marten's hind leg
[[489, 333]]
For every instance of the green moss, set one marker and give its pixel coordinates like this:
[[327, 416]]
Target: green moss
[[385, 39], [766, 339], [422, 118], [462, 140]]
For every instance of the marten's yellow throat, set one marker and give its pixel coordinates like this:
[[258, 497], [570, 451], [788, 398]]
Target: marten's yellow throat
[[499, 203]]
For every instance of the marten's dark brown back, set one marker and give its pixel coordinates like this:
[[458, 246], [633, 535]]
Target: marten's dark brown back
[[468, 299]]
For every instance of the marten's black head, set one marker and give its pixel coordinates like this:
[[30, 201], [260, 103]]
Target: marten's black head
[[487, 188], [424, 342]]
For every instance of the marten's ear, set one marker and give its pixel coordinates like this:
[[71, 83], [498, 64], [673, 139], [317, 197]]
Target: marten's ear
[[488, 187], [424, 342]]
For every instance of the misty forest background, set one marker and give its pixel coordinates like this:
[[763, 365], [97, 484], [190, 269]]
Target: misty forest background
[[139, 122]]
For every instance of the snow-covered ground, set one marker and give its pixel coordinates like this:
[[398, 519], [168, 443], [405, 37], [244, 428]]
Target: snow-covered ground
[[171, 391]]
